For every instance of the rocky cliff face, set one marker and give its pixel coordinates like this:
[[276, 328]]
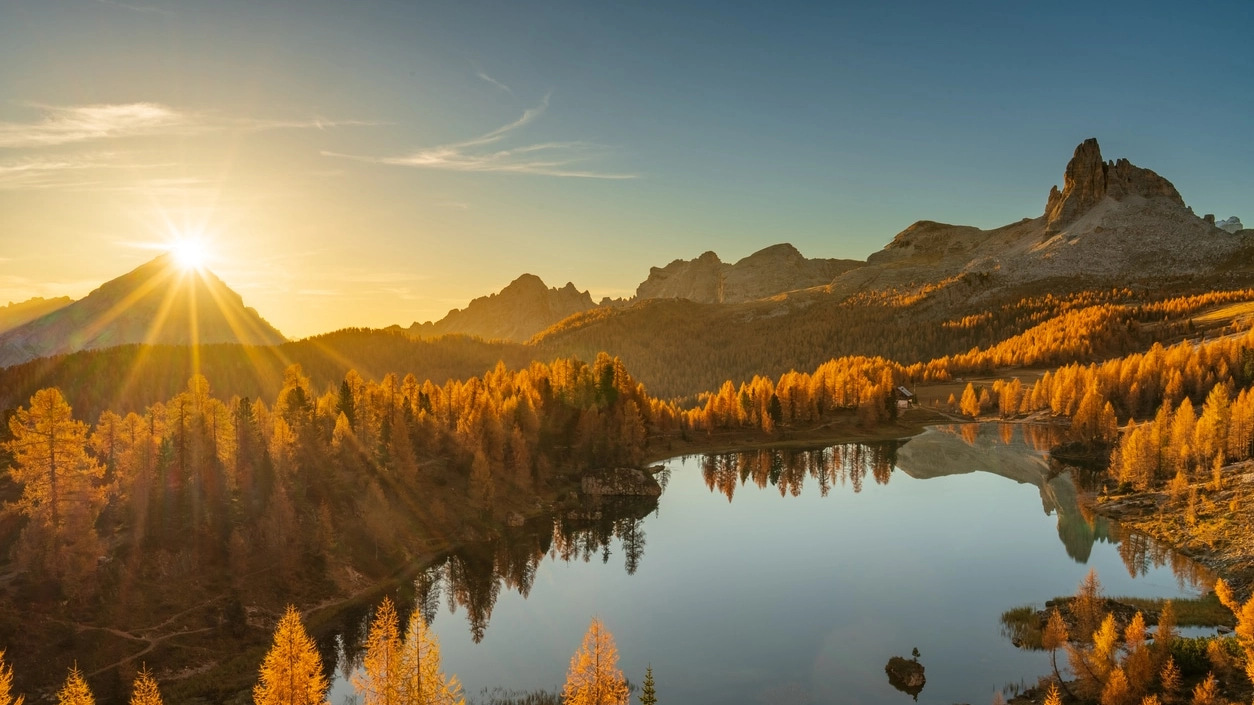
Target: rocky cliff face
[[156, 303], [522, 309], [1088, 180], [767, 272], [1111, 222]]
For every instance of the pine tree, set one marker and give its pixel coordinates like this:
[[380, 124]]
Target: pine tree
[[1053, 697], [75, 690], [647, 695], [6, 685], [145, 691], [380, 680], [291, 673], [594, 678], [422, 681]]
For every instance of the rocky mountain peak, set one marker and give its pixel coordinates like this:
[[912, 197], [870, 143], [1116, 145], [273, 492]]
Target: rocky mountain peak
[[523, 308], [1088, 180]]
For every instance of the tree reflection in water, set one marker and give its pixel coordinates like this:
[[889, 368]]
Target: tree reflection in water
[[847, 464], [473, 576]]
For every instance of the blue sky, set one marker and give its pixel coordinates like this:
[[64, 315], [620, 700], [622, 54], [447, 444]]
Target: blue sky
[[369, 163]]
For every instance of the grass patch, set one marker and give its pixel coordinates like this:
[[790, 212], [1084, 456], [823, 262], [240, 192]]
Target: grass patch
[[1204, 611], [1022, 627], [1225, 314]]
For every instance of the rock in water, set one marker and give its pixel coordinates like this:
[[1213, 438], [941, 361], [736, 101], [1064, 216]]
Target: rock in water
[[906, 675]]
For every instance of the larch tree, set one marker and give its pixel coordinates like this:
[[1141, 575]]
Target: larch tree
[[145, 691], [1245, 622], [75, 691], [379, 681], [57, 475], [291, 673], [422, 681], [6, 685], [594, 678], [970, 404]]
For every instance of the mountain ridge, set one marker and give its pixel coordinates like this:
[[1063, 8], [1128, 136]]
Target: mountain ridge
[[156, 302], [523, 308]]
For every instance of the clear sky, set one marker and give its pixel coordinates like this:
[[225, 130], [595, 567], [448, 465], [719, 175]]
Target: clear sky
[[369, 163]]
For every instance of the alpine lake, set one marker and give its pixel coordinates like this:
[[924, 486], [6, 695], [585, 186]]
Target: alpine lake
[[787, 577]]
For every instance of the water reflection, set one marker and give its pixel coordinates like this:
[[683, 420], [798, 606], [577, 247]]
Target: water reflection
[[476, 575], [472, 577], [1015, 451], [842, 465]]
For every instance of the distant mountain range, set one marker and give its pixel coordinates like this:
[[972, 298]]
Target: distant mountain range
[[22, 312], [522, 309], [157, 303], [1109, 224]]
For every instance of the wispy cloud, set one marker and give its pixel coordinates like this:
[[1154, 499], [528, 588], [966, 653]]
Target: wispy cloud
[[493, 81], [79, 123], [545, 158], [62, 125], [77, 170]]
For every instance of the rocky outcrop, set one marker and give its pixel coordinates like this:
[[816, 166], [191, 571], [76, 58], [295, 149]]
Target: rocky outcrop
[[1231, 225], [767, 272], [620, 482], [522, 309], [156, 303], [1088, 180], [1111, 222]]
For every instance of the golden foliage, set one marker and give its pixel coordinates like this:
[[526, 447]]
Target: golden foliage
[[75, 691], [6, 685], [291, 673], [594, 678], [145, 690], [379, 681], [422, 682]]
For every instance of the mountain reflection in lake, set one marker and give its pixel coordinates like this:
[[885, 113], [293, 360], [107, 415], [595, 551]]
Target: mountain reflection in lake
[[789, 571]]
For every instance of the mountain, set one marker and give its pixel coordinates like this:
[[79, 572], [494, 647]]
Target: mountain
[[156, 303], [16, 314], [522, 309], [774, 270], [935, 290], [1111, 221]]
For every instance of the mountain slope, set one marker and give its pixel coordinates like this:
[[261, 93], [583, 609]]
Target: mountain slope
[[1110, 222], [156, 303], [522, 309], [767, 272], [935, 290], [22, 312]]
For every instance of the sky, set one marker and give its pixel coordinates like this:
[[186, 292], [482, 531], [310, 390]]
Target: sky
[[378, 162]]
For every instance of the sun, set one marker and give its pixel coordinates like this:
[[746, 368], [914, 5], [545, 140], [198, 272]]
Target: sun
[[189, 253]]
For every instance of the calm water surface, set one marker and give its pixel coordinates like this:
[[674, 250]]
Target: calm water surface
[[785, 577]]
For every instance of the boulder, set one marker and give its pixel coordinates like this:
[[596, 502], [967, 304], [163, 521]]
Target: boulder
[[620, 482], [906, 675]]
